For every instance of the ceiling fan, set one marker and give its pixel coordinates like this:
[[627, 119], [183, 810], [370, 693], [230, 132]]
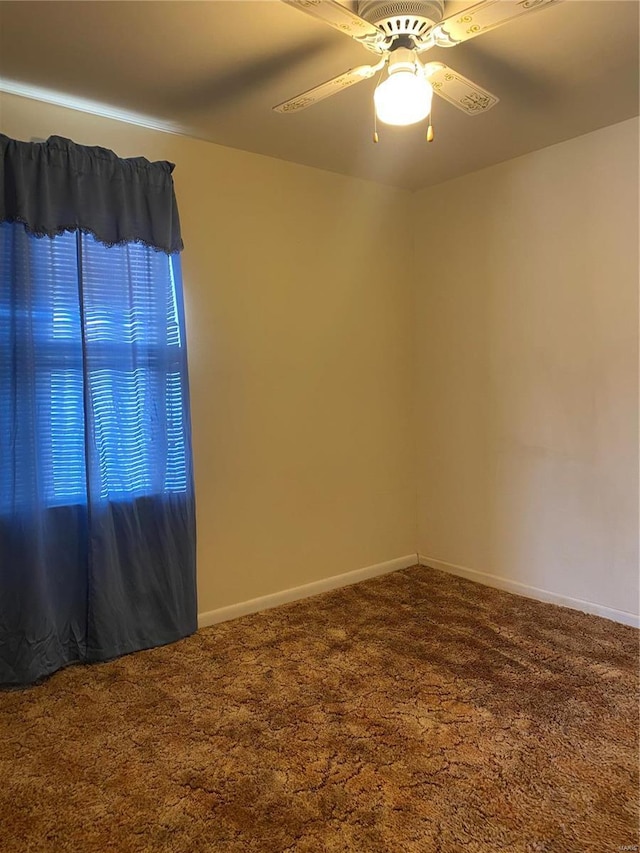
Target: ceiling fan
[[399, 33]]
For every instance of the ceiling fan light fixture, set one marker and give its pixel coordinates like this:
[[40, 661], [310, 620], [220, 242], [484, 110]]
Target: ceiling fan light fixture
[[404, 98]]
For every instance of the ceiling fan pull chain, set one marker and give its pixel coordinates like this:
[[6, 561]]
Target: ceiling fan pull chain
[[430, 125], [376, 138]]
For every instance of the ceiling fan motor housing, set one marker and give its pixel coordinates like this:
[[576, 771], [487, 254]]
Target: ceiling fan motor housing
[[404, 17]]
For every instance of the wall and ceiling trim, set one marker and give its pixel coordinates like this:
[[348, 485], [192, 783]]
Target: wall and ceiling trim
[[526, 591], [266, 602], [83, 105]]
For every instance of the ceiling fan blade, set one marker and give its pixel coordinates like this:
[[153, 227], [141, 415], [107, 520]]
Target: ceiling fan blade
[[462, 93], [340, 18], [318, 93], [479, 19]]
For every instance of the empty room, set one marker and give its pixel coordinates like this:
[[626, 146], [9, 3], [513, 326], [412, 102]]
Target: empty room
[[319, 446]]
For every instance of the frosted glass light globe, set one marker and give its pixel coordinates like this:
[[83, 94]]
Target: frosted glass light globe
[[404, 98]]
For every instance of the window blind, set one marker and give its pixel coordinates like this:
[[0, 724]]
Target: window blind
[[105, 366]]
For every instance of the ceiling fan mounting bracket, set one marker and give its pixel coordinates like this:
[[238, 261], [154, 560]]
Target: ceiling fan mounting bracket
[[402, 19]]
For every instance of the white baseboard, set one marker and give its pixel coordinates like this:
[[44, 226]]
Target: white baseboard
[[265, 602], [532, 591]]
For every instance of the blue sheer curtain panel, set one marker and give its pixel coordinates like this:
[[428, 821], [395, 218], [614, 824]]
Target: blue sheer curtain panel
[[97, 514]]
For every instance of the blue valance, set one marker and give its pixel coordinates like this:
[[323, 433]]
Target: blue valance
[[57, 186]]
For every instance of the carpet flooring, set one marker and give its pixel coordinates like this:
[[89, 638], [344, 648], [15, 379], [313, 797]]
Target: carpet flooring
[[412, 712]]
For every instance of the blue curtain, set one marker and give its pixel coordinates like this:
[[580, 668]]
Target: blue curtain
[[97, 515]]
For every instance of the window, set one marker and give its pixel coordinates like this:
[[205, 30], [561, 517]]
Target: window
[[95, 332]]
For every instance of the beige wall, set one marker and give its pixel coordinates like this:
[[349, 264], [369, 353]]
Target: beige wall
[[305, 336], [299, 327], [527, 310]]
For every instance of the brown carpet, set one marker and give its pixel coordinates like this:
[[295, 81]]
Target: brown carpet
[[413, 712]]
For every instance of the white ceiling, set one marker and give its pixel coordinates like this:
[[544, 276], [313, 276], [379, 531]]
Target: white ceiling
[[218, 67]]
